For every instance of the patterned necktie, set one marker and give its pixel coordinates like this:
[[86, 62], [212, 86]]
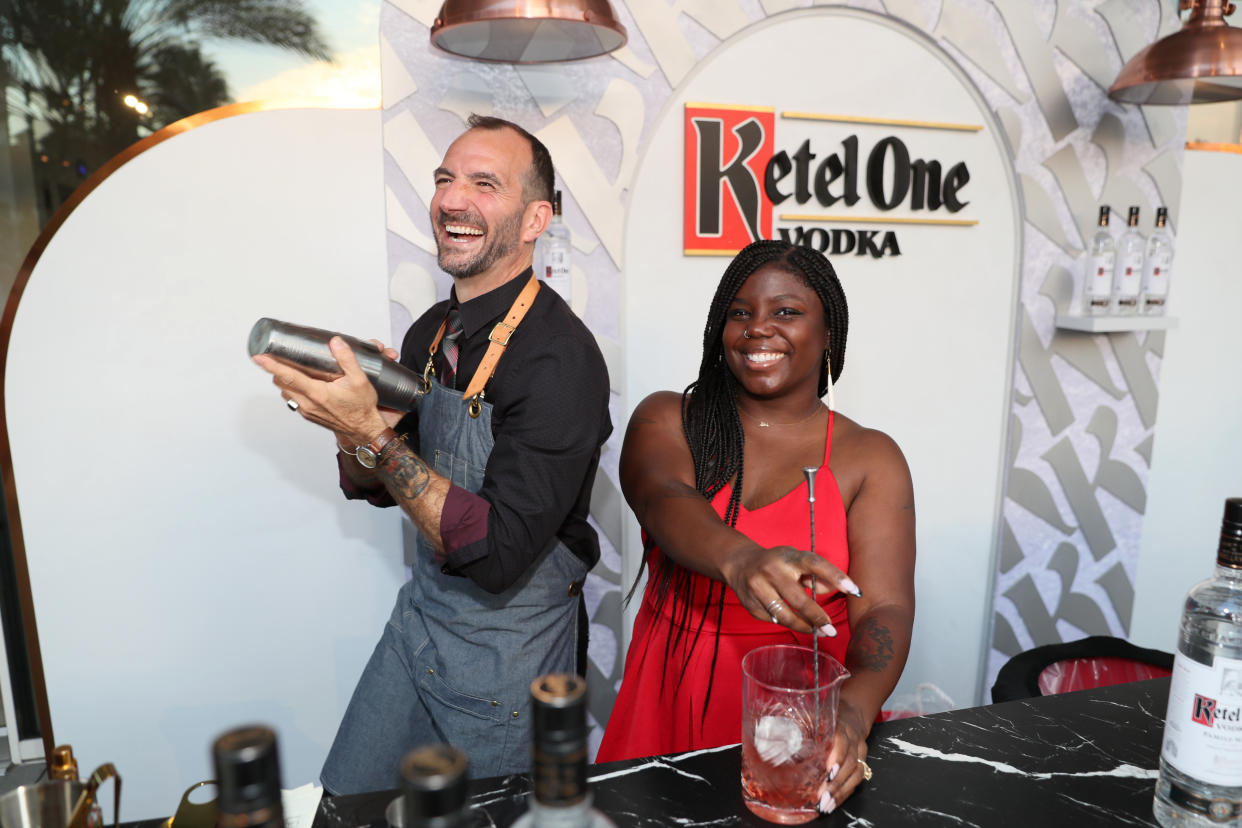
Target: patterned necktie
[[451, 347]]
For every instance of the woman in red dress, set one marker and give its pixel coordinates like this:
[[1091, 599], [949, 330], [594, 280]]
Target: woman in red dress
[[714, 476]]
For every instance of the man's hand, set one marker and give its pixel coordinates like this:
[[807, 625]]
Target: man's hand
[[345, 405]]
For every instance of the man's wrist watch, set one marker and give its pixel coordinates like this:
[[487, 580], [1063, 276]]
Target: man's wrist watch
[[368, 455]]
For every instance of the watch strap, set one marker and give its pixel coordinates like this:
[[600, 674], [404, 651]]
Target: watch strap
[[372, 450]]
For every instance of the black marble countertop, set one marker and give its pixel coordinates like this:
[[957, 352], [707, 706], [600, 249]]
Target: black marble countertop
[[1077, 759]]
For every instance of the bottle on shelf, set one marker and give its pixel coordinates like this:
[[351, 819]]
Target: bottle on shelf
[[554, 256], [433, 783], [1200, 782], [1157, 266], [1128, 277], [1097, 284], [248, 779], [561, 798]]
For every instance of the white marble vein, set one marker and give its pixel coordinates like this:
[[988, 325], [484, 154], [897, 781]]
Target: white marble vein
[[1124, 771], [941, 816], [856, 822], [663, 762]]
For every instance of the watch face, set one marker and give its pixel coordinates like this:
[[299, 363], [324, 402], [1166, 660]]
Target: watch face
[[366, 457]]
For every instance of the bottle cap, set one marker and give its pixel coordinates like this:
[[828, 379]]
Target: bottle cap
[[433, 779], [558, 702], [1230, 551], [559, 707], [556, 203], [1133, 218], [1104, 211], [247, 770]]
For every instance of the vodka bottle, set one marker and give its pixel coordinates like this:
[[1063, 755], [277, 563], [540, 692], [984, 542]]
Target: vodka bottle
[[554, 256], [561, 798], [1157, 264], [1200, 782], [248, 779], [1097, 283], [1128, 277]]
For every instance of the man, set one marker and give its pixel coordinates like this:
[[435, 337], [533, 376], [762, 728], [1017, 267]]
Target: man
[[494, 468]]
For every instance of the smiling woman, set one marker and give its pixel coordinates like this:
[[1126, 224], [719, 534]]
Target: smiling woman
[[728, 551]]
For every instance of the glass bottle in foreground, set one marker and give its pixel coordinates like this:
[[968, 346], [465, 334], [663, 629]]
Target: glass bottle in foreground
[[433, 784], [1200, 782], [1128, 277], [1097, 284], [248, 778], [1157, 266], [561, 798]]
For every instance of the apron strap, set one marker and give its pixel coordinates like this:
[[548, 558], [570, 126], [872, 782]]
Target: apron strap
[[499, 338]]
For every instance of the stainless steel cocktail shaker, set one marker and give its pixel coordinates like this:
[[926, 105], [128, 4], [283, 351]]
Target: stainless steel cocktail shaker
[[398, 387]]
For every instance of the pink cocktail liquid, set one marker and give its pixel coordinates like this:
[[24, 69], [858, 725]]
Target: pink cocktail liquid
[[786, 792]]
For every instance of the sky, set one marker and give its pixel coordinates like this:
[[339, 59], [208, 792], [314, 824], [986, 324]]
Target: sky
[[351, 28]]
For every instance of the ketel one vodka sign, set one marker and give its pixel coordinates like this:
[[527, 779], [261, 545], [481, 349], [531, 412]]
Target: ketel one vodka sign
[[847, 189]]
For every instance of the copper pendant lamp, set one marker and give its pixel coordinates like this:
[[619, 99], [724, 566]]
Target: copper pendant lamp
[[527, 31], [1202, 63]]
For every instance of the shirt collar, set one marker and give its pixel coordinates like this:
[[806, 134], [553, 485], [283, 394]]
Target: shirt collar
[[493, 305]]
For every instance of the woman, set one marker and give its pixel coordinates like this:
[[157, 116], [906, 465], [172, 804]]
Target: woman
[[715, 477]]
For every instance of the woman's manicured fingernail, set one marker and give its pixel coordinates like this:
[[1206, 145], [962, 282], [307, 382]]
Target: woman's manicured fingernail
[[828, 630], [851, 587], [827, 804], [832, 773]]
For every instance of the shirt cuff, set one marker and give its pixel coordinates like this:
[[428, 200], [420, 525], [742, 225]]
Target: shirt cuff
[[376, 497], [463, 527]]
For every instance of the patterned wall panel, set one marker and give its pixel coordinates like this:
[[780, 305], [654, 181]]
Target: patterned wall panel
[[1083, 411]]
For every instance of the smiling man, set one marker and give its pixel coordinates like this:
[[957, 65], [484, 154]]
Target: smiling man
[[494, 469]]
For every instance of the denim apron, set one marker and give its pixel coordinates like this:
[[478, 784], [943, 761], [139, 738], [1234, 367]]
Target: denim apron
[[455, 662]]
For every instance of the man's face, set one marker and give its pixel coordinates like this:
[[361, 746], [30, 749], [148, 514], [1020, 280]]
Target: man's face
[[478, 208]]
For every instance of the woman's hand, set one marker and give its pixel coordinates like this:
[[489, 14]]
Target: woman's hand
[[774, 584], [846, 768]]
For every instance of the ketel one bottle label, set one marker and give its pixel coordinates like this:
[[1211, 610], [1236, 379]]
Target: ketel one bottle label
[[1129, 279], [1100, 277], [1156, 273], [1203, 730]]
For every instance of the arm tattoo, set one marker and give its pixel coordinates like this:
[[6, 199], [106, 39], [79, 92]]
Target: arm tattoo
[[871, 646], [406, 472]]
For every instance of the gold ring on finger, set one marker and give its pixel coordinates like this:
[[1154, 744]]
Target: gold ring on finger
[[866, 770]]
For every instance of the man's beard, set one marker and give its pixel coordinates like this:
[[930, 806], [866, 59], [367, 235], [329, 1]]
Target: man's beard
[[502, 240]]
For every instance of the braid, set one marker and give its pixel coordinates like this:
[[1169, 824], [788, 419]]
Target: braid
[[713, 429]]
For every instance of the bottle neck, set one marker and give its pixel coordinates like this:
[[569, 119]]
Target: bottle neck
[[1228, 573]]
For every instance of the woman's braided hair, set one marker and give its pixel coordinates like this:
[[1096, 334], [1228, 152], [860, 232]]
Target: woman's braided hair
[[713, 428]]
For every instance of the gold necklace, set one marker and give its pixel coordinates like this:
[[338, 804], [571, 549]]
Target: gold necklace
[[765, 424]]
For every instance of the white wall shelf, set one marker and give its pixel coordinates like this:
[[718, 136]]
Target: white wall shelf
[[1112, 324]]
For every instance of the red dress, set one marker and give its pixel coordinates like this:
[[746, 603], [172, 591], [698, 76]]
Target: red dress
[[660, 706]]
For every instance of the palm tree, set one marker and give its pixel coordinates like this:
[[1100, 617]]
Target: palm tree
[[89, 77]]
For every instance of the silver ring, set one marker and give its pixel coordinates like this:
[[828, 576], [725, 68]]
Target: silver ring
[[746, 334], [773, 607], [293, 404]]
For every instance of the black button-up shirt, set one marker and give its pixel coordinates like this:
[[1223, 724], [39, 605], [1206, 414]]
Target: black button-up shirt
[[549, 419]]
